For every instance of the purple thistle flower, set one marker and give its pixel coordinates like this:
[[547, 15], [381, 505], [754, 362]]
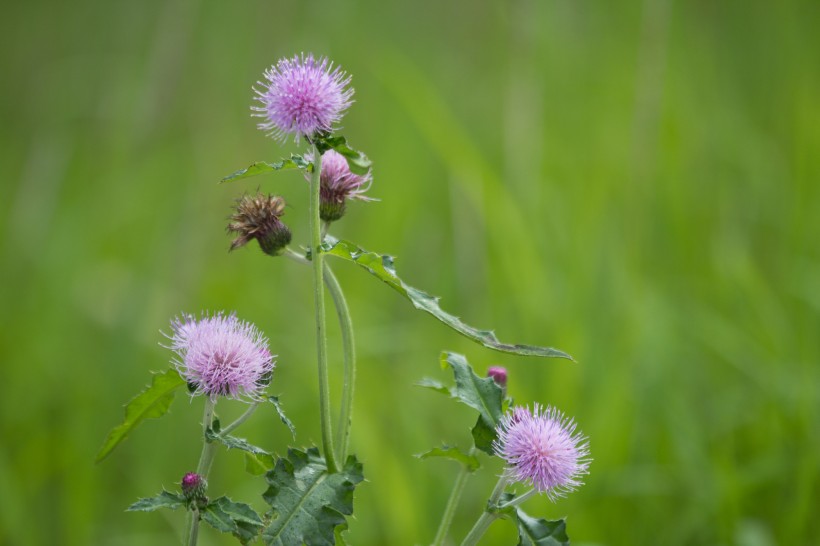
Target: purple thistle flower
[[337, 184], [541, 448], [221, 355], [302, 96], [193, 486]]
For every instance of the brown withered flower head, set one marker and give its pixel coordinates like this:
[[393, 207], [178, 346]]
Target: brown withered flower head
[[257, 217]]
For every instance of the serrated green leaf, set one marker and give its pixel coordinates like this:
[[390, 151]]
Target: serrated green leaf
[[257, 460], [434, 385], [247, 522], [215, 516], [308, 502], [295, 161], [356, 160], [539, 531], [152, 403], [483, 436], [282, 417], [166, 499], [452, 453], [381, 266]]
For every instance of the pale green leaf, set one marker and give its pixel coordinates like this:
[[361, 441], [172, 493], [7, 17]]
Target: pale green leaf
[[452, 453], [151, 403], [257, 460], [166, 499], [282, 417], [381, 266], [295, 161]]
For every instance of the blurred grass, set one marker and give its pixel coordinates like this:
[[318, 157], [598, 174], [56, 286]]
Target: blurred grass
[[635, 183]]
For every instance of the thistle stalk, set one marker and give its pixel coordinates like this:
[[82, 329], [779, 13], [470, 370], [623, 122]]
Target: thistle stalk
[[488, 516], [317, 259]]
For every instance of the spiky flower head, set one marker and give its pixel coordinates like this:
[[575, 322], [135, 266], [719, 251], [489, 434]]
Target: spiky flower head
[[302, 96], [257, 217], [194, 487], [542, 448], [220, 355], [338, 184]]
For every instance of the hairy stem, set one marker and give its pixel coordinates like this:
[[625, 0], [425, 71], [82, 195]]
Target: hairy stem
[[349, 349], [241, 419], [452, 503], [487, 517], [317, 259]]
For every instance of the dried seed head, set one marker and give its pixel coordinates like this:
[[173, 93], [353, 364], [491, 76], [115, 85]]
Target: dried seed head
[[257, 217]]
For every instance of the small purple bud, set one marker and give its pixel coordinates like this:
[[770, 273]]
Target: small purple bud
[[194, 486], [499, 375]]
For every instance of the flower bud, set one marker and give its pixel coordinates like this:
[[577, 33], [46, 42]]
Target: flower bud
[[499, 375], [257, 217], [193, 487]]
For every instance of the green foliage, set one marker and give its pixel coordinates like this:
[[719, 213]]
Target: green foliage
[[382, 267], [356, 160], [232, 517], [452, 453], [295, 161], [539, 531], [282, 417], [166, 499], [308, 503], [151, 403], [257, 460]]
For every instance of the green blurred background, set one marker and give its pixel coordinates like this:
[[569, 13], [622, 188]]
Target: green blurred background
[[633, 182]]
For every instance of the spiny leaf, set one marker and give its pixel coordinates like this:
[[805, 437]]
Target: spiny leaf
[[308, 502], [166, 499], [381, 266], [356, 160], [434, 385], [449, 452], [276, 404], [233, 517], [539, 531], [257, 460], [295, 161], [151, 403]]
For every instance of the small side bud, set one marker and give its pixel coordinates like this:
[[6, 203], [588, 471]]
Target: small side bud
[[194, 487], [499, 375], [257, 217]]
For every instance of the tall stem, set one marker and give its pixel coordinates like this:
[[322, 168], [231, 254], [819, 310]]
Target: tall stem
[[487, 517], [452, 502], [349, 375], [205, 459], [319, 310]]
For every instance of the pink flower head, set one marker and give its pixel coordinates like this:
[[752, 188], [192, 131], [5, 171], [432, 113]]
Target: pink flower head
[[221, 355], [193, 486], [302, 96], [498, 374], [541, 448], [337, 184]]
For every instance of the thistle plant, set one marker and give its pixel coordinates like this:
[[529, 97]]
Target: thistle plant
[[310, 490]]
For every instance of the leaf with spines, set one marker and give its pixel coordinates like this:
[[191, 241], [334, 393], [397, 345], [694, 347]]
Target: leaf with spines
[[356, 160], [469, 461], [308, 503], [539, 531], [166, 499], [237, 518], [381, 266], [257, 460], [295, 161], [282, 417], [151, 403], [434, 385]]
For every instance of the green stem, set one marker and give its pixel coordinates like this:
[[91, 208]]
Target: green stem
[[487, 517], [242, 418], [205, 459], [452, 502], [519, 499], [349, 375], [317, 259]]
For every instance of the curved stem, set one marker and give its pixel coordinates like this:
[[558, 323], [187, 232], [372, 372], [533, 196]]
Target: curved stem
[[487, 517], [241, 419], [452, 502], [317, 260], [349, 374], [519, 499]]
